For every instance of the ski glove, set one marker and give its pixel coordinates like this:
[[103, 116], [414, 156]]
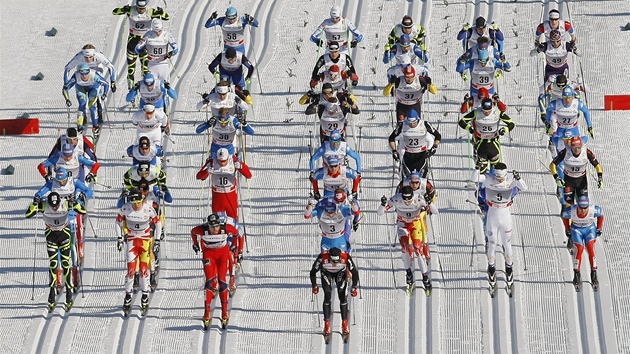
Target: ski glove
[[167, 86], [196, 247], [238, 165], [170, 54], [502, 57], [113, 86], [156, 246], [432, 150], [354, 43], [126, 8], [598, 232], [383, 200], [158, 11], [567, 233], [214, 16], [466, 26], [560, 181], [471, 130], [103, 97], [48, 177], [314, 83], [36, 200], [600, 182], [517, 176], [320, 42], [498, 73], [242, 120], [315, 289], [495, 26], [354, 291], [90, 177], [395, 155], [317, 196], [591, 132], [502, 131], [355, 195], [548, 128], [120, 243], [68, 103], [464, 77], [355, 225], [249, 19]]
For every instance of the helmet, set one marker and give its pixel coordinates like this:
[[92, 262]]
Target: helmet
[[405, 40], [483, 56], [335, 136], [500, 170], [327, 87], [330, 206], [149, 108], [412, 116], [61, 174], [230, 53], [576, 142], [335, 11], [406, 192], [144, 142], [414, 176], [568, 92], [334, 255], [67, 149], [486, 104], [156, 24], [214, 220], [149, 79], [84, 68], [561, 80], [583, 201], [332, 160], [340, 195], [555, 36], [483, 93], [141, 3], [333, 46], [231, 12], [409, 71], [135, 195], [54, 200], [407, 21], [223, 154], [480, 22]]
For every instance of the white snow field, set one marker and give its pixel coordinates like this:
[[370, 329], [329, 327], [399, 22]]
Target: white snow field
[[272, 309]]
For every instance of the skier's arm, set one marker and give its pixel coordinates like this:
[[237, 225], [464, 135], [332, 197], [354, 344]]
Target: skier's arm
[[382, 209], [169, 91], [244, 170], [55, 148], [461, 67], [320, 63], [356, 179], [318, 32], [43, 167], [316, 267], [44, 190], [549, 111], [249, 66], [354, 271], [93, 165], [253, 22], [159, 13], [72, 64], [132, 94], [83, 188], [318, 175], [214, 65], [79, 208], [216, 22], [350, 152], [599, 214], [464, 34], [507, 120], [355, 31], [393, 136], [591, 158], [465, 121], [554, 164], [587, 114], [350, 66], [102, 59], [125, 10], [318, 154], [433, 132]]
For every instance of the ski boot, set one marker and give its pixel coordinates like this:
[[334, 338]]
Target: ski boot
[[327, 331], [152, 282], [509, 279], [492, 279], [594, 280], [425, 251], [577, 279], [69, 300], [96, 133], [345, 331], [76, 280], [570, 245], [80, 122], [144, 304], [225, 317], [51, 299], [427, 284], [232, 288], [127, 304], [543, 117], [207, 318], [410, 281]]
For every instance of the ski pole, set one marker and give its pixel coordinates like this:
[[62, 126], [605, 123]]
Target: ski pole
[[102, 185], [92, 226], [474, 243], [251, 42], [174, 70], [35, 254], [306, 121], [391, 253], [436, 245]]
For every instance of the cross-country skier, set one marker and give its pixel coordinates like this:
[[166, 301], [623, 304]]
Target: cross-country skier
[[139, 24], [74, 163], [408, 83], [552, 90], [148, 179], [144, 151], [152, 91], [405, 47], [417, 141], [424, 188], [336, 28], [335, 147], [224, 128], [55, 214], [563, 114], [136, 224], [483, 123], [151, 123], [411, 229], [334, 176], [483, 70], [554, 23], [334, 266], [497, 190], [218, 241], [471, 102], [332, 221], [583, 223], [334, 57], [88, 84], [224, 95], [96, 60], [318, 101], [155, 45], [223, 169], [406, 27], [82, 144], [229, 66], [470, 36], [233, 28], [556, 54]]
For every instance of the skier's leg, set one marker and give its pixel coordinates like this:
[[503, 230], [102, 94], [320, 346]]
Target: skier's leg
[[327, 287], [132, 260], [52, 248], [506, 230], [342, 285], [222, 267], [491, 234]]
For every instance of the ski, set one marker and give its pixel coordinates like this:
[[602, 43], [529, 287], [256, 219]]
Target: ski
[[126, 310], [594, 280], [68, 306], [144, 310], [493, 287], [577, 281], [410, 288]]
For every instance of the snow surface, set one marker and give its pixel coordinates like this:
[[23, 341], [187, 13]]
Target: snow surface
[[272, 310]]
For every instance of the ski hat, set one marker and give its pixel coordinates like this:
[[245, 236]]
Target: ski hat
[[409, 71], [67, 149], [500, 170], [149, 79], [89, 52], [149, 108], [230, 53], [486, 104], [407, 21], [84, 68], [405, 40], [483, 56], [214, 220], [583, 201], [406, 192], [554, 14], [334, 255], [144, 142], [135, 195], [480, 22], [333, 160], [483, 93], [568, 92], [143, 168], [156, 24], [576, 142], [223, 154], [327, 88], [335, 11], [412, 116], [330, 206], [333, 46], [340, 195], [335, 136], [231, 12], [561, 80], [54, 200], [334, 68], [141, 3], [61, 174], [72, 133], [414, 176]]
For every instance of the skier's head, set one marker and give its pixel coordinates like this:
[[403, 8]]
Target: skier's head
[[144, 170], [141, 5], [214, 223], [335, 138], [334, 255], [554, 18], [482, 44], [61, 176], [575, 144], [567, 95], [136, 198], [330, 207], [149, 110], [555, 37], [561, 81], [486, 106], [404, 61], [583, 202], [414, 179], [84, 70], [340, 195], [483, 56], [405, 40], [230, 54], [67, 151], [335, 13], [88, 52], [333, 49], [72, 136], [334, 72], [223, 157], [483, 93], [406, 193], [407, 24], [333, 106], [222, 88], [223, 117], [333, 163], [231, 14], [480, 24], [144, 145], [327, 90], [410, 74], [413, 118], [500, 172], [54, 200], [156, 25], [149, 79]]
